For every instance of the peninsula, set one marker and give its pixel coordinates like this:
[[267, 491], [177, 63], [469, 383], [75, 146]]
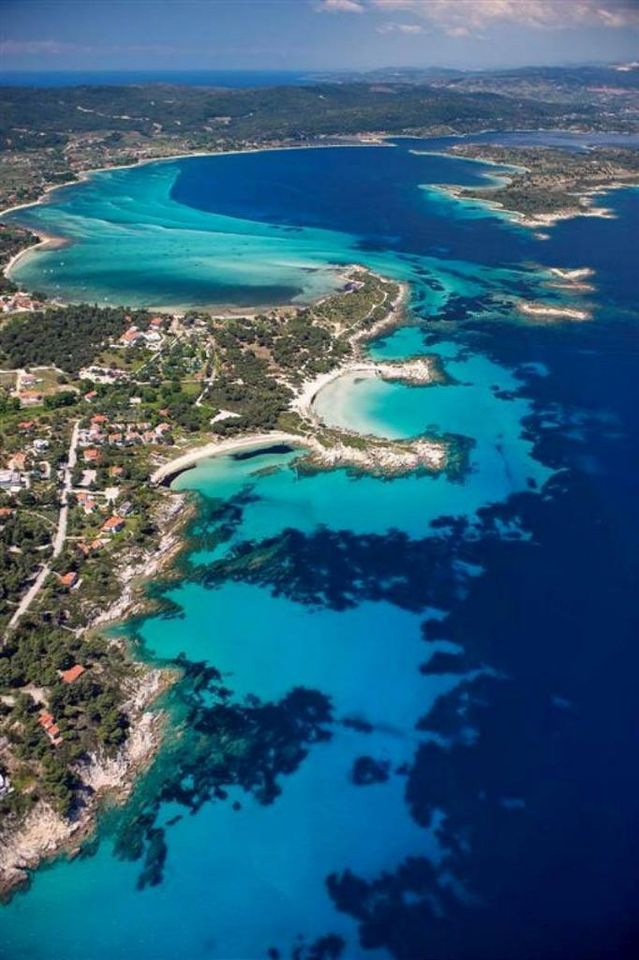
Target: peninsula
[[548, 184], [95, 406], [100, 407]]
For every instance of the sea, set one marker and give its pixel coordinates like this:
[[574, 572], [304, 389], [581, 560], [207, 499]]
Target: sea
[[186, 78], [408, 715]]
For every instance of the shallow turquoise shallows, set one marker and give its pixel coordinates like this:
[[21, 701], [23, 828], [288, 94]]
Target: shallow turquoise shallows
[[406, 724]]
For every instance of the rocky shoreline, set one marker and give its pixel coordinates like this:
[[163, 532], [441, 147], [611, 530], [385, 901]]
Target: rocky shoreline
[[44, 834]]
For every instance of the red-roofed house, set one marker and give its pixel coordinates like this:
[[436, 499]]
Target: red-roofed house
[[131, 337], [91, 455], [113, 525], [68, 579], [50, 727], [72, 674], [30, 398]]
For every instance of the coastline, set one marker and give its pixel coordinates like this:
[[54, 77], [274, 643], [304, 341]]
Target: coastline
[[115, 779], [84, 175], [44, 834], [540, 220], [536, 222], [52, 241]]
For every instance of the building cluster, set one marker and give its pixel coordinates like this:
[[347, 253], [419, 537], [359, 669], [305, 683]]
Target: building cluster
[[102, 431], [18, 302], [151, 337], [27, 464], [46, 719]]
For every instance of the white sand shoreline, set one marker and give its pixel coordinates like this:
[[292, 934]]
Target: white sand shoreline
[[84, 175], [49, 240], [218, 448]]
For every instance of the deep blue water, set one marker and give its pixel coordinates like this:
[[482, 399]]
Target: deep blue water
[[189, 78], [408, 724]]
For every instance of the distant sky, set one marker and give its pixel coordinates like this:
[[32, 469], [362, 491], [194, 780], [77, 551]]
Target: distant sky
[[311, 34]]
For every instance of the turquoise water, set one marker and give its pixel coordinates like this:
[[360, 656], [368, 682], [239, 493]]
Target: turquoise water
[[403, 702], [257, 228]]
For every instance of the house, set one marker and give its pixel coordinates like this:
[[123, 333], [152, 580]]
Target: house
[[30, 398], [113, 525], [93, 547], [91, 395], [6, 512], [26, 425], [116, 471], [91, 455], [69, 579], [40, 445], [18, 461], [9, 479], [131, 336], [99, 418], [125, 508], [50, 727], [72, 674]]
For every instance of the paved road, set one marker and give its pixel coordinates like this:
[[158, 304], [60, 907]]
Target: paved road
[[61, 531]]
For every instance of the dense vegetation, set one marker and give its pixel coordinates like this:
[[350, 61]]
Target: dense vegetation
[[290, 112], [24, 543], [87, 712], [552, 179], [47, 136], [12, 240], [68, 337], [258, 360]]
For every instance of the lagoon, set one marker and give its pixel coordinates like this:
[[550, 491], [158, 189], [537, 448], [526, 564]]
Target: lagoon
[[404, 702]]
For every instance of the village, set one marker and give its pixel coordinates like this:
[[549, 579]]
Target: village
[[81, 443], [75, 452]]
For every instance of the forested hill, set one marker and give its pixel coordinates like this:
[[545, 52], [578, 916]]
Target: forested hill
[[49, 135], [30, 116]]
